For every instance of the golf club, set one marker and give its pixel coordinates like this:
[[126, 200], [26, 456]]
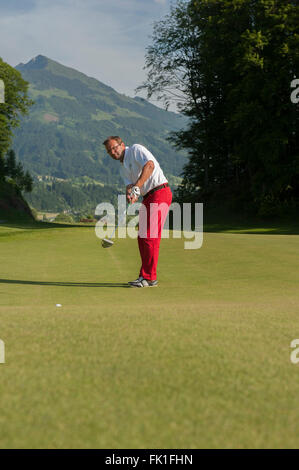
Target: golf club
[[107, 242]]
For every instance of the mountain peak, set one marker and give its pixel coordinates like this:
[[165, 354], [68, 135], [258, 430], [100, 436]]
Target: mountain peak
[[37, 63], [73, 113], [49, 66]]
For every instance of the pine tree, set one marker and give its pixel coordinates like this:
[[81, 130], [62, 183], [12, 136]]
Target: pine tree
[[11, 168], [230, 64], [14, 171]]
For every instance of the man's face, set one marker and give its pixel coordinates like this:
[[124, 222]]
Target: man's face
[[115, 150]]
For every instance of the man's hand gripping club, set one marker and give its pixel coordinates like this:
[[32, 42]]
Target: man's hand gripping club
[[133, 190]]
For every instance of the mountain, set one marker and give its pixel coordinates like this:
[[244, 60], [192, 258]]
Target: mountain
[[73, 114]]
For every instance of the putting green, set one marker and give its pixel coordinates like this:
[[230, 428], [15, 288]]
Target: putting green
[[202, 361]]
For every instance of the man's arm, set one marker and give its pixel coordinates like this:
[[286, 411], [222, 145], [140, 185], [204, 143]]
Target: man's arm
[[145, 174]]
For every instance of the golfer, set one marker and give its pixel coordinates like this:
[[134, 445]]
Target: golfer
[[143, 176]]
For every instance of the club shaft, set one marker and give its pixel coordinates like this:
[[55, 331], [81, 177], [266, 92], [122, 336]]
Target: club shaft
[[116, 226]]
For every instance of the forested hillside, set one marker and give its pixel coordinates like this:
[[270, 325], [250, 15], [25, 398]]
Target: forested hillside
[[73, 114]]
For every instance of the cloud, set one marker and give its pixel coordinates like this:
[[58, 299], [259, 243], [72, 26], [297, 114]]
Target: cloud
[[103, 39], [14, 6]]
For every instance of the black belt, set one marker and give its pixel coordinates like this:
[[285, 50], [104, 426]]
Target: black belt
[[165, 185]]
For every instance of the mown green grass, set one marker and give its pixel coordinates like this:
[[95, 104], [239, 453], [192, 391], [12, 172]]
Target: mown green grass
[[202, 361]]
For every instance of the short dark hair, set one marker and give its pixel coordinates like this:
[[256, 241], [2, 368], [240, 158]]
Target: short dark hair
[[113, 137]]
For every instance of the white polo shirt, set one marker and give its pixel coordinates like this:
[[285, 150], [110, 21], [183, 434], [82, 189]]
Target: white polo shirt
[[134, 160]]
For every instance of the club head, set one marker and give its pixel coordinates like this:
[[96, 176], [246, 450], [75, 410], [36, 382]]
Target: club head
[[106, 243]]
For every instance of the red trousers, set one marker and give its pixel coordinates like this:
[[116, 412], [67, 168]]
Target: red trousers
[[152, 216]]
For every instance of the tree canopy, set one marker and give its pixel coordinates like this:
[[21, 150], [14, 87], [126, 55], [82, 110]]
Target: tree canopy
[[13, 172], [229, 66], [16, 103]]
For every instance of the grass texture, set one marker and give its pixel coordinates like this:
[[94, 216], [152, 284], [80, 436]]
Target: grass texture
[[202, 361]]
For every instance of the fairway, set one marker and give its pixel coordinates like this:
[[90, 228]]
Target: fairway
[[201, 361]]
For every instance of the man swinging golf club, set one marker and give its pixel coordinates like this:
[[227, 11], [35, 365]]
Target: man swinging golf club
[[143, 176]]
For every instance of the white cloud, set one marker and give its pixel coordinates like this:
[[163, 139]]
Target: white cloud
[[103, 39]]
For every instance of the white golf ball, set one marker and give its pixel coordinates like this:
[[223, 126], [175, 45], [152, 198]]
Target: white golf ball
[[58, 305]]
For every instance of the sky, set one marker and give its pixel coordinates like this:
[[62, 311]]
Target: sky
[[105, 39]]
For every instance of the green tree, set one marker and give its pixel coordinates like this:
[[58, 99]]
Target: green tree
[[2, 169], [16, 103], [27, 182], [230, 64], [14, 171], [11, 167]]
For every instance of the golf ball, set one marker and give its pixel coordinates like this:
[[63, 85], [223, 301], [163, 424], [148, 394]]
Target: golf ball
[[58, 305]]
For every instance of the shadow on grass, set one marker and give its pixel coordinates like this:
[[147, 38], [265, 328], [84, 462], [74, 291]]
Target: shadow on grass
[[64, 284], [35, 224], [213, 222], [262, 228], [253, 229], [20, 220]]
